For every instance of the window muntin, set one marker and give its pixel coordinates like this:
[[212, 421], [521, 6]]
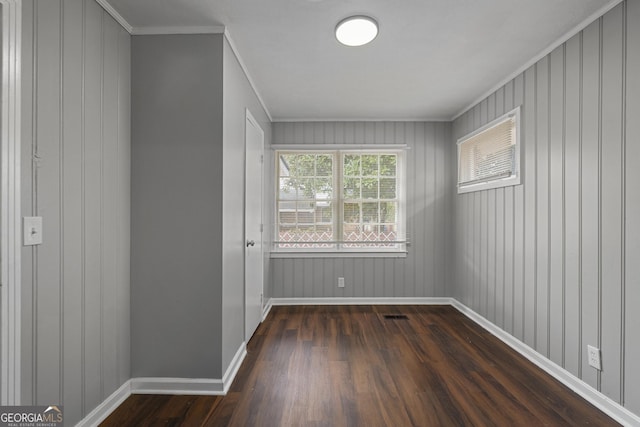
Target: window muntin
[[490, 156], [344, 200]]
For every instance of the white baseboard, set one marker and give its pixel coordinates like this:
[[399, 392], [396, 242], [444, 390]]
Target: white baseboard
[[266, 309], [234, 366], [599, 400], [102, 411], [196, 386], [182, 386], [362, 301]]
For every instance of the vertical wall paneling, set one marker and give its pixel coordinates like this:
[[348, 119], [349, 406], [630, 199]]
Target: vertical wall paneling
[[590, 195], [631, 134], [564, 244], [611, 201], [556, 256], [422, 273], [572, 205], [541, 237], [518, 98], [530, 191], [77, 145], [49, 279], [71, 173], [92, 219]]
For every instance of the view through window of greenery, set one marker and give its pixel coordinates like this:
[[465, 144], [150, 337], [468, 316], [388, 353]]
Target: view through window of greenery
[[338, 200]]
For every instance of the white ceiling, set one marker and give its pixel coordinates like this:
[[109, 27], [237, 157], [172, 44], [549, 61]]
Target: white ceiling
[[430, 61]]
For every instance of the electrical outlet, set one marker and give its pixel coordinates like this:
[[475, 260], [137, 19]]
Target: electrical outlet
[[341, 282], [594, 357]]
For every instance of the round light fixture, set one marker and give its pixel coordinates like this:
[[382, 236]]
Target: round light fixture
[[356, 30]]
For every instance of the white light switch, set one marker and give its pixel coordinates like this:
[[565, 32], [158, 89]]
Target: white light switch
[[32, 230]]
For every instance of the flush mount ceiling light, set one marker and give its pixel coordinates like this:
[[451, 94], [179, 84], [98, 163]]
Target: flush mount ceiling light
[[356, 30]]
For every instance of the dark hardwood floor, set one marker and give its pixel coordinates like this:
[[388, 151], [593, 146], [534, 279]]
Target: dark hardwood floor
[[351, 366]]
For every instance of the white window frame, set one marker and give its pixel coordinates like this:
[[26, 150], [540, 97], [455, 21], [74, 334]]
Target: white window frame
[[489, 183], [399, 251]]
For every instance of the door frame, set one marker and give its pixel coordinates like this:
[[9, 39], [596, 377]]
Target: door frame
[[10, 201], [250, 118]]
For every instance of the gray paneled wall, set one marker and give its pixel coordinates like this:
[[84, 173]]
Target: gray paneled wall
[[76, 168], [424, 272], [554, 261], [177, 189]]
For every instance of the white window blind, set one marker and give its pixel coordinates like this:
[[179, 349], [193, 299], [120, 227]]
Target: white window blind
[[489, 154]]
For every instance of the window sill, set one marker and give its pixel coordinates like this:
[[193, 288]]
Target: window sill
[[338, 254], [490, 185]]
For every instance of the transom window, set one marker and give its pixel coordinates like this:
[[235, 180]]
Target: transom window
[[344, 200]]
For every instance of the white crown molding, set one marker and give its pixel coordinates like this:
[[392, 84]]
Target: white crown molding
[[360, 119], [563, 39], [115, 15], [10, 205], [362, 301], [235, 51], [147, 31]]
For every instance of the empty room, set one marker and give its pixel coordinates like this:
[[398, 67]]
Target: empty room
[[320, 212]]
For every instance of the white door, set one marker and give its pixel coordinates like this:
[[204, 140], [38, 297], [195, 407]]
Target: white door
[[253, 255]]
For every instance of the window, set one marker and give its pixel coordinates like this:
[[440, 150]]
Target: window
[[490, 156], [340, 201]]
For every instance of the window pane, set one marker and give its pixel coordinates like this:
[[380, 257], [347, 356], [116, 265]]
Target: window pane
[[288, 189], [306, 164], [323, 188], [324, 215], [388, 165], [370, 212], [369, 188], [352, 188], [324, 165], [351, 165], [387, 188], [352, 213], [287, 214], [388, 212], [287, 165], [369, 165], [352, 232]]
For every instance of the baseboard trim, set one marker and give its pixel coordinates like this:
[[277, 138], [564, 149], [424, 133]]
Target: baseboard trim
[[362, 301], [593, 396], [180, 386], [234, 366], [196, 386], [103, 410], [266, 309]]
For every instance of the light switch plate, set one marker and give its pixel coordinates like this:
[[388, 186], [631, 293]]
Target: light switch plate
[[31, 230]]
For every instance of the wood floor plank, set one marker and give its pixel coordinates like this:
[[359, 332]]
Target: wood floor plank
[[351, 366]]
